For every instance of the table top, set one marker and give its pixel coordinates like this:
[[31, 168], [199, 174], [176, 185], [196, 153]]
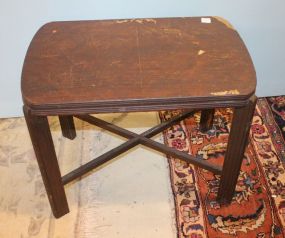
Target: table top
[[137, 61]]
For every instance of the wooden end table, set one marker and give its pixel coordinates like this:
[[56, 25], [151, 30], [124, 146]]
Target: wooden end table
[[77, 68]]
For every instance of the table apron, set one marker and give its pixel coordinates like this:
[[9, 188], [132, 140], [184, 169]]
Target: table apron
[[77, 109]]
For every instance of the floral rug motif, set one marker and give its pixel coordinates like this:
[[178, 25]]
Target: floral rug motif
[[258, 206], [277, 105]]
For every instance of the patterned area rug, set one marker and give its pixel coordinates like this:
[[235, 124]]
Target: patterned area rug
[[258, 207], [111, 203], [130, 197]]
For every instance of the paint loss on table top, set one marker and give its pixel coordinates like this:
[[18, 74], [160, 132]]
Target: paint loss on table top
[[136, 59]]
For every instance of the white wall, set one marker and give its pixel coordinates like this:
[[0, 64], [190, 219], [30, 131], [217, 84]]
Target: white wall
[[259, 22]]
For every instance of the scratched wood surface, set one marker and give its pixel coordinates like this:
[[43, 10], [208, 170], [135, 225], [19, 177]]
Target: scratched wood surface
[[140, 60]]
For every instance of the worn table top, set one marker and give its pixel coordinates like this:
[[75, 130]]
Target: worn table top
[[136, 61]]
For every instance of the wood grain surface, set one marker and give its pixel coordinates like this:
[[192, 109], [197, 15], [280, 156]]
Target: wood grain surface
[[138, 62]]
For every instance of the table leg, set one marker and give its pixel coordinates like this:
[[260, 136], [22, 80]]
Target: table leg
[[67, 127], [207, 118], [235, 151], [44, 149]]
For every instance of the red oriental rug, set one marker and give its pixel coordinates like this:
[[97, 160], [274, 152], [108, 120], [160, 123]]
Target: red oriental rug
[[258, 207]]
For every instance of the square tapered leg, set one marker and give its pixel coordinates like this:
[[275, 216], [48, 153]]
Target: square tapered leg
[[235, 151], [67, 127], [44, 149], [207, 119]]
